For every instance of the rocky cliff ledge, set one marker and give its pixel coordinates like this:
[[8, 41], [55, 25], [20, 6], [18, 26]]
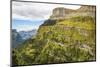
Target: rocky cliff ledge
[[61, 12]]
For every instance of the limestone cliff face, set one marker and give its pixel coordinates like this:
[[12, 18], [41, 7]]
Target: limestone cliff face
[[61, 12], [86, 9]]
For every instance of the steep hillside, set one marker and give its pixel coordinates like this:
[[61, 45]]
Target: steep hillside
[[64, 39]]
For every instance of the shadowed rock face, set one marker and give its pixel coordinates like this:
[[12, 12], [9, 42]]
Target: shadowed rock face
[[61, 12]]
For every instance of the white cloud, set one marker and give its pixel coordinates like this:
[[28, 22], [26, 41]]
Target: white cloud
[[26, 10]]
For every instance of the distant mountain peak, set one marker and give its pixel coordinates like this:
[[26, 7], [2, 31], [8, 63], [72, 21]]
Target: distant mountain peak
[[28, 34]]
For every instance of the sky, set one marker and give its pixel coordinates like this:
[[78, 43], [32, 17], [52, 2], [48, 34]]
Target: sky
[[27, 16], [26, 25]]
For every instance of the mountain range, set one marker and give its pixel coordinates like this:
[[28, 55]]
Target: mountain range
[[19, 37], [67, 36], [16, 38], [27, 34]]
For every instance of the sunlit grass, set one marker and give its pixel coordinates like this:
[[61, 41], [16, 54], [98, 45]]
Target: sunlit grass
[[87, 23]]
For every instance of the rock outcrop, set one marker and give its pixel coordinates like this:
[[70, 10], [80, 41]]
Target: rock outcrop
[[61, 12]]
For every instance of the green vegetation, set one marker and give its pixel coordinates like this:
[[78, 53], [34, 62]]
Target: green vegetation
[[81, 22], [65, 40]]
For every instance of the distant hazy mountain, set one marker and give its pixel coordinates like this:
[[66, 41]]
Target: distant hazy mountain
[[27, 34], [20, 37], [16, 38]]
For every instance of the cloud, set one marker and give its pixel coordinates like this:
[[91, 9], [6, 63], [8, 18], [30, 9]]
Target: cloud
[[26, 10]]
